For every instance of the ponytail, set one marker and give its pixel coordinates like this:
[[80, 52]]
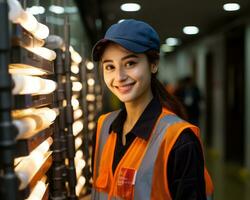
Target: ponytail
[[159, 91]]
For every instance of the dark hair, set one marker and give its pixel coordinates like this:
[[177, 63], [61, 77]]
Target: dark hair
[[159, 91]]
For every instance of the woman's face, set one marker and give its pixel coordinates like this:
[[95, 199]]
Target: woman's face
[[127, 74]]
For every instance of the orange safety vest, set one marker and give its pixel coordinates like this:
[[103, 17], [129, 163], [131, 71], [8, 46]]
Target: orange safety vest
[[141, 174]]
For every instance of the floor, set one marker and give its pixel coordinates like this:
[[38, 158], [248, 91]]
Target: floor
[[231, 181]]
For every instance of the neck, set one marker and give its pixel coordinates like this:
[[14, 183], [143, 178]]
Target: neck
[[135, 109]]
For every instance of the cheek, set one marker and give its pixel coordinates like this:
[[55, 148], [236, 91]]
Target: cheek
[[107, 79]]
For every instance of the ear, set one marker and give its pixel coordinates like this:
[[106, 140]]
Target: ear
[[154, 68]]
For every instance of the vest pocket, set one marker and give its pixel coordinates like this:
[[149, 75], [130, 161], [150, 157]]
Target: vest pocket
[[102, 180], [125, 183]]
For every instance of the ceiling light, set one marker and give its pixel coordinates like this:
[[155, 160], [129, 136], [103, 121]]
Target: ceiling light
[[191, 30], [71, 9], [165, 48], [130, 7], [231, 6], [173, 41], [36, 10], [56, 9]]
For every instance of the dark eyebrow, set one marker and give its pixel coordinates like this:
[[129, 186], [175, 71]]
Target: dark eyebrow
[[129, 56], [123, 58]]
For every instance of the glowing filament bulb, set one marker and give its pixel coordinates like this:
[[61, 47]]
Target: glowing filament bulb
[[78, 142], [74, 103], [43, 52], [77, 86], [91, 82], [44, 147], [90, 97], [77, 127], [81, 182], [26, 84], [90, 65], [77, 113], [38, 191], [79, 154], [48, 87], [75, 68], [25, 125], [91, 125], [32, 85], [47, 114], [75, 56], [27, 20]]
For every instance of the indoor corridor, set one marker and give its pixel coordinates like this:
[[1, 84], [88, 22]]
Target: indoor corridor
[[231, 181]]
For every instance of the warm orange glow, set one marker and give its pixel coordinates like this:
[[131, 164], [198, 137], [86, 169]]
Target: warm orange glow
[[43, 52], [76, 58], [90, 97], [76, 86], [23, 69], [81, 182], [32, 85], [75, 68], [77, 127], [77, 113]]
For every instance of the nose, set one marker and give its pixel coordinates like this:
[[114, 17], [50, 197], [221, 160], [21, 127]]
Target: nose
[[121, 74]]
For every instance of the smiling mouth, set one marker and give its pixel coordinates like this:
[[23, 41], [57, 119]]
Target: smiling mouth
[[125, 88]]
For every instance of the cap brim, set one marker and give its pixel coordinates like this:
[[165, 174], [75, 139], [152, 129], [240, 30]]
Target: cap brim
[[129, 45]]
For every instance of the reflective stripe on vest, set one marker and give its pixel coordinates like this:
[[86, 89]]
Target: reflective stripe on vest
[[143, 184], [104, 133], [98, 195], [144, 177]]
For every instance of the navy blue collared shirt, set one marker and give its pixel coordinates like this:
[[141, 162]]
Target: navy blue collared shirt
[[186, 163]]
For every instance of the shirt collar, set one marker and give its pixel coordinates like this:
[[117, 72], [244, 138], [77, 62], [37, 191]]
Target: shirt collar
[[145, 123]]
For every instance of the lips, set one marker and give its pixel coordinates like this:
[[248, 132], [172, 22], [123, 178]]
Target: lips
[[125, 88]]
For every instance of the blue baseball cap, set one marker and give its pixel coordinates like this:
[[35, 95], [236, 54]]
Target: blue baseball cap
[[136, 36]]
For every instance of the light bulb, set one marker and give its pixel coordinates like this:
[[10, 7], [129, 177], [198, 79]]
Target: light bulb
[[77, 127], [43, 52], [79, 154], [78, 142], [75, 103], [48, 87], [76, 86], [91, 82], [26, 84], [25, 126], [16, 68], [43, 147], [41, 31], [38, 191], [91, 125], [77, 114], [81, 182], [75, 56], [47, 114], [90, 97], [75, 68], [26, 20], [90, 65]]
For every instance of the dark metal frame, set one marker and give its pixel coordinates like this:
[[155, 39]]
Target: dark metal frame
[[8, 130], [69, 115]]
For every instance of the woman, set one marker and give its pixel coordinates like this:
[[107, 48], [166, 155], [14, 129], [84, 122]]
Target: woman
[[144, 151]]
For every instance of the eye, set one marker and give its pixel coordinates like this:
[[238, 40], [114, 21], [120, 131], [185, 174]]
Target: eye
[[130, 64], [109, 67]]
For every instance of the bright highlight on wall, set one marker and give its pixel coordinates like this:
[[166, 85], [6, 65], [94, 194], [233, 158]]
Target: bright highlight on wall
[[173, 41], [130, 7], [191, 30], [36, 10], [56, 9], [231, 6]]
